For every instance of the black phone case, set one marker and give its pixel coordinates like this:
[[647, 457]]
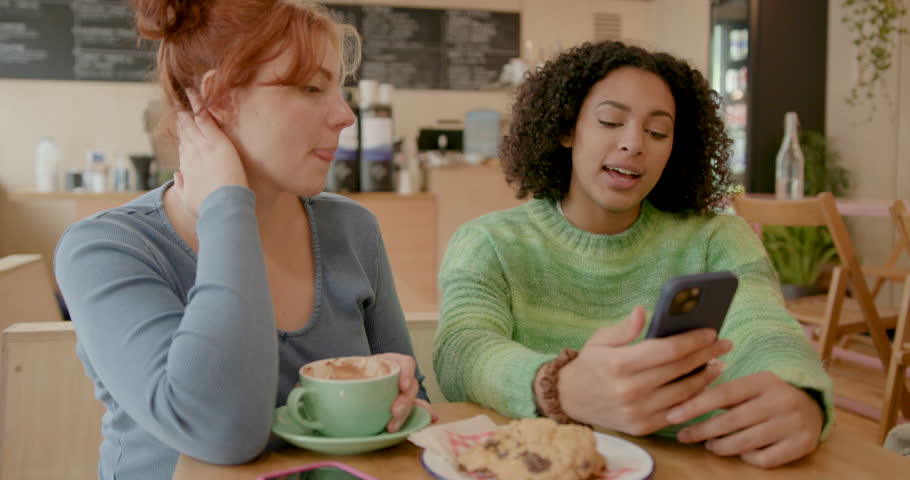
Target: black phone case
[[693, 301]]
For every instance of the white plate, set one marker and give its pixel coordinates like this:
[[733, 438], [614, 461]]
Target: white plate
[[626, 461]]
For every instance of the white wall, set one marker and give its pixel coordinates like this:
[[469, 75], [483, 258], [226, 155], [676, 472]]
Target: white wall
[[870, 143], [876, 148], [108, 116], [683, 28]]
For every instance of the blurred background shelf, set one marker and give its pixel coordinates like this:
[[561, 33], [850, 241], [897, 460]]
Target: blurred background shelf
[[416, 228]]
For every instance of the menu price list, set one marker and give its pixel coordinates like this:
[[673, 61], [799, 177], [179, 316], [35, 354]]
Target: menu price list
[[72, 40], [432, 48], [408, 47]]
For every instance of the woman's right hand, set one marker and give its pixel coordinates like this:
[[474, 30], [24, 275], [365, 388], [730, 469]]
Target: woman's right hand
[[208, 158], [630, 388]]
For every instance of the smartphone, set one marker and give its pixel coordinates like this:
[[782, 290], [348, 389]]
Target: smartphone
[[327, 470], [694, 301]]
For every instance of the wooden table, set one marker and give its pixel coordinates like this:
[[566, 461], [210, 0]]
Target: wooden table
[[842, 456]]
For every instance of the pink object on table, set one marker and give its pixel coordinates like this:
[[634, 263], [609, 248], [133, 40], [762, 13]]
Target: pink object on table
[[313, 466]]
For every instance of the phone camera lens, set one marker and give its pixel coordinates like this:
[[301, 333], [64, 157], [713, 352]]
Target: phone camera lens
[[689, 305]]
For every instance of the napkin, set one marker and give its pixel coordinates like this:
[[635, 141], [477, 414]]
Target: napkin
[[448, 440]]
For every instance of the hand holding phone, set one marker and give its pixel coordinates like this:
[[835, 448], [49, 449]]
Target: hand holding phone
[[624, 385], [694, 301]]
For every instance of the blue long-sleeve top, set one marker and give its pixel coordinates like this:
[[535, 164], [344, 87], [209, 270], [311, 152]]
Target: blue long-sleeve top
[[183, 349]]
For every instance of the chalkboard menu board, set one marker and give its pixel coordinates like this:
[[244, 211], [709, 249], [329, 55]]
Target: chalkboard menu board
[[407, 47], [72, 40], [430, 48]]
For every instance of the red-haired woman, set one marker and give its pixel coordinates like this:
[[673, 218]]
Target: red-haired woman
[[195, 304]]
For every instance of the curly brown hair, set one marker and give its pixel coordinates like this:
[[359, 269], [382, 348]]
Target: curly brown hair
[[697, 177]]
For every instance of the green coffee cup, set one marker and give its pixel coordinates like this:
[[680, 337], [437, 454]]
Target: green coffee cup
[[345, 396]]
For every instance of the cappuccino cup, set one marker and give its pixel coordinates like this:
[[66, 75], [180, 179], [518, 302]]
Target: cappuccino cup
[[345, 396]]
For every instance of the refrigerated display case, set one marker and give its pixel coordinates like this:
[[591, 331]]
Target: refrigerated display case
[[767, 57], [730, 73]]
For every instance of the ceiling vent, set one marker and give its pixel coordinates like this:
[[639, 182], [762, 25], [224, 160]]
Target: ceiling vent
[[607, 26]]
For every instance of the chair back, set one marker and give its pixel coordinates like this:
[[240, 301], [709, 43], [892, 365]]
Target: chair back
[[895, 397], [27, 291], [820, 211], [50, 421], [806, 212], [901, 217]]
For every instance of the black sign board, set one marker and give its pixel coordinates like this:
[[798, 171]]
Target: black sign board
[[72, 40], [408, 47], [432, 48]]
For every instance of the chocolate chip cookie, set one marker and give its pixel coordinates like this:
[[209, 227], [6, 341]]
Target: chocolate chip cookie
[[536, 449]]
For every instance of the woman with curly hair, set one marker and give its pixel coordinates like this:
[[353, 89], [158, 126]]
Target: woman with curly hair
[[544, 305]]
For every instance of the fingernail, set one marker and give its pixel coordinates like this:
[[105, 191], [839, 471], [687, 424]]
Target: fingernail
[[406, 384], [675, 416], [717, 365], [684, 436]]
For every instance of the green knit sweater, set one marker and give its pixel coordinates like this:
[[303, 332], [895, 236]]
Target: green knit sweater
[[520, 285]]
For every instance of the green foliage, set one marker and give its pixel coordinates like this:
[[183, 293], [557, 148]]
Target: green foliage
[[875, 27], [799, 254], [823, 170]]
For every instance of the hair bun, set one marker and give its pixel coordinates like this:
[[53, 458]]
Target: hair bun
[[159, 19]]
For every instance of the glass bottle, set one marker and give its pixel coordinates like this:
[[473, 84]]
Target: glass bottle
[[790, 162], [47, 165]]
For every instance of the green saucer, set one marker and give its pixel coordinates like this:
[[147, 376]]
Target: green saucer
[[285, 428]]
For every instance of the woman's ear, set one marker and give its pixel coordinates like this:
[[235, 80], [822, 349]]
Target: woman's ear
[[221, 108]]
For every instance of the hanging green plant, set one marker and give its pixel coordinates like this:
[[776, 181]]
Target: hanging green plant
[[876, 27]]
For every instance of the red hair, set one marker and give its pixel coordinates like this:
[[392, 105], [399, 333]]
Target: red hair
[[235, 38]]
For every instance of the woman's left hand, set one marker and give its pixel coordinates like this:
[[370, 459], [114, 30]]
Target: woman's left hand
[[768, 422], [408, 386]]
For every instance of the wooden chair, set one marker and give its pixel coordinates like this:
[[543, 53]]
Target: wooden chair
[[900, 356], [26, 291], [833, 313], [50, 422]]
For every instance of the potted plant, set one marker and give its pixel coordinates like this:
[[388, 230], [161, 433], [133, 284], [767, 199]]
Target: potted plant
[[801, 255]]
